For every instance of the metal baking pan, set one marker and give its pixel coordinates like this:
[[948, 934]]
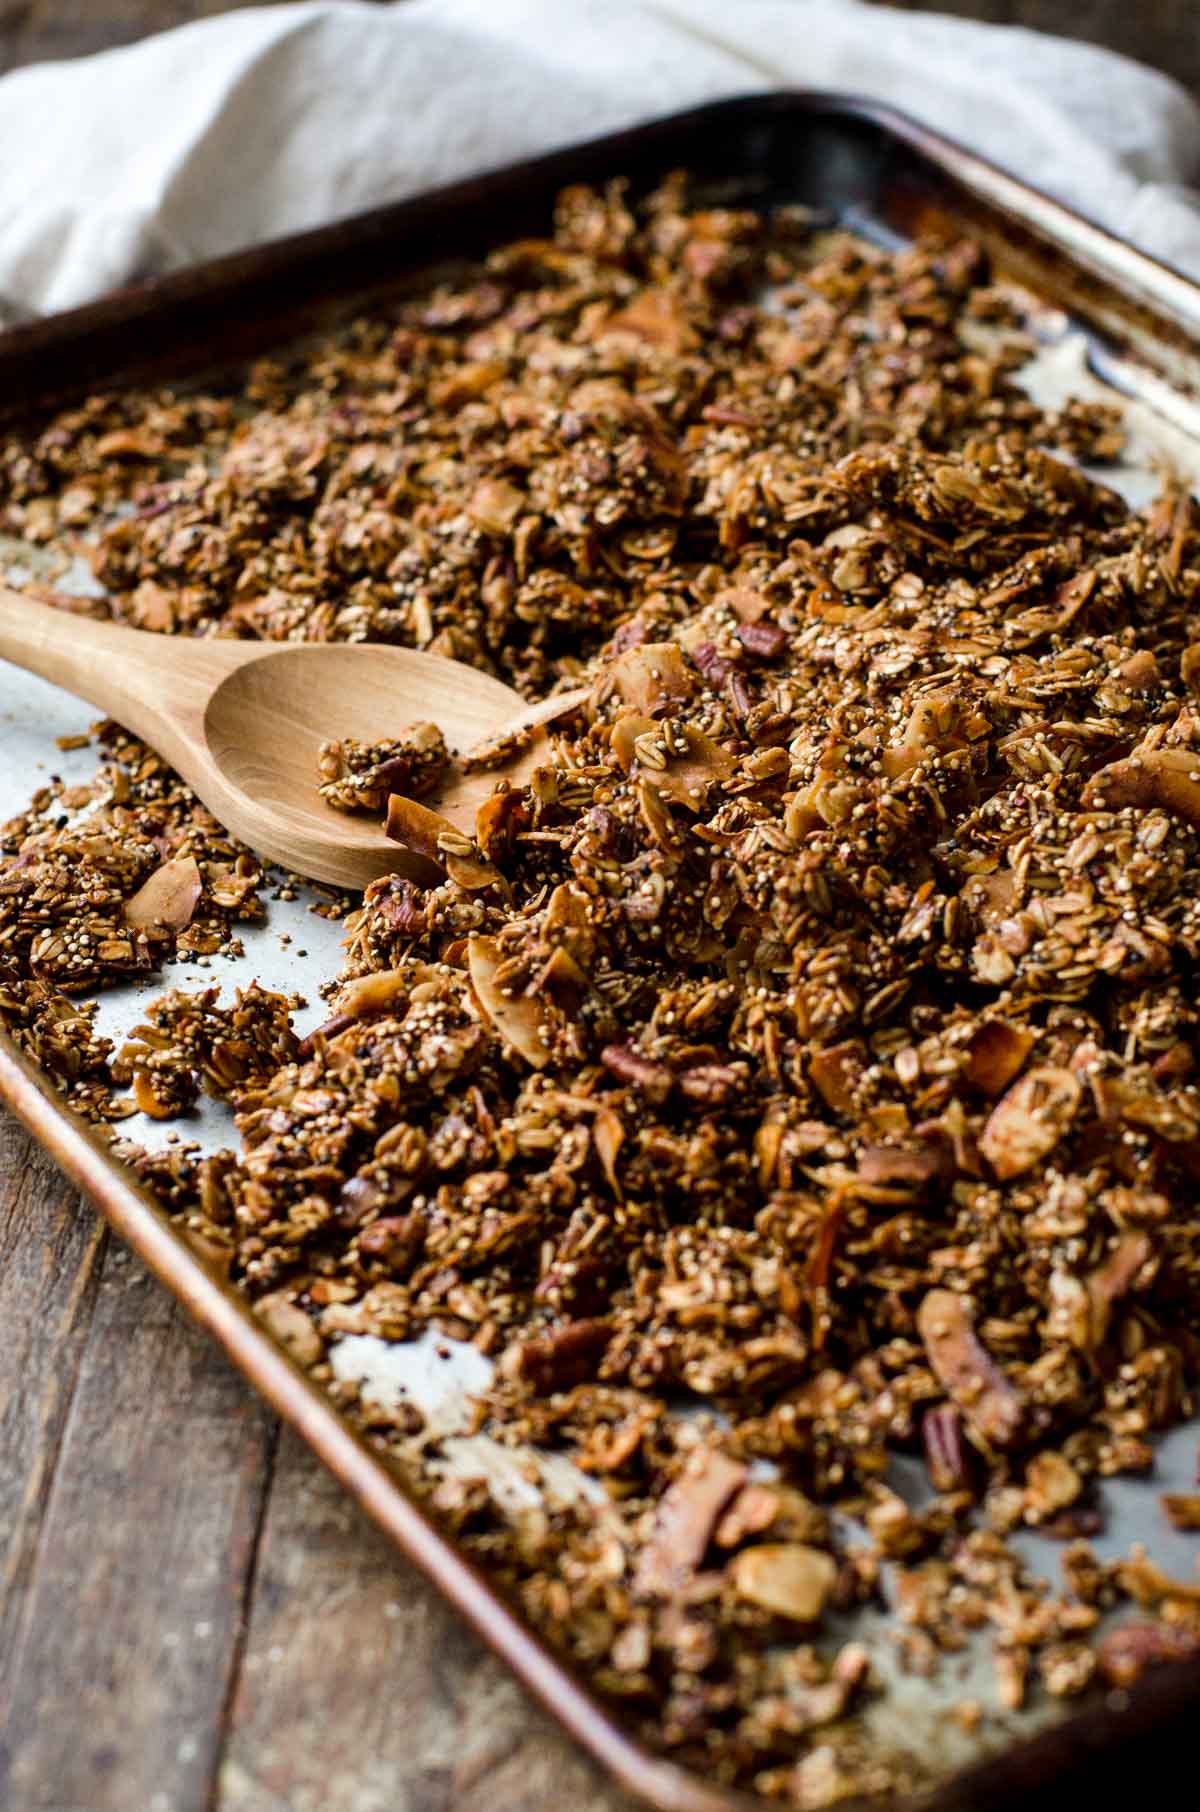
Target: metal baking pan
[[1129, 325]]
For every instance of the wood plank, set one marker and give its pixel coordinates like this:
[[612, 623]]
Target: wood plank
[[113, 1691], [38, 30], [1159, 32], [360, 1690], [50, 1255]]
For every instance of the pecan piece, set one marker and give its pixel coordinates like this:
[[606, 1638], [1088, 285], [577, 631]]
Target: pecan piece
[[941, 1436], [626, 1063], [395, 1240], [1182, 1508], [910, 1172], [967, 1372], [1125, 1653], [763, 640], [560, 1358], [687, 1516]]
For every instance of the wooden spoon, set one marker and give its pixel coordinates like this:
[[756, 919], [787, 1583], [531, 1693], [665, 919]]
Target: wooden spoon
[[242, 722]]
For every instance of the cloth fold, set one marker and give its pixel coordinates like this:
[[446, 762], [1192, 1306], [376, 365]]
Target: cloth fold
[[258, 123]]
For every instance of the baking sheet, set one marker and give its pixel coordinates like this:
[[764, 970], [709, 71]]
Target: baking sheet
[[296, 950]]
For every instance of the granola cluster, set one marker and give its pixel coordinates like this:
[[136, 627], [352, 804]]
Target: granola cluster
[[813, 1039], [362, 776]]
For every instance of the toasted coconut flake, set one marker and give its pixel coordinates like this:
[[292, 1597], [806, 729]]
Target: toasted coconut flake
[[683, 779], [288, 1324], [788, 1578], [379, 992], [520, 1020], [1026, 1125], [996, 1053], [1169, 778], [157, 1106], [649, 677], [168, 898], [836, 1071], [608, 1135], [568, 922], [472, 875], [497, 821], [657, 316], [495, 505], [658, 820], [418, 829], [929, 731]]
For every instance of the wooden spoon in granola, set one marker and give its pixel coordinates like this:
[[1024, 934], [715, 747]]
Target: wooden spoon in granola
[[243, 724]]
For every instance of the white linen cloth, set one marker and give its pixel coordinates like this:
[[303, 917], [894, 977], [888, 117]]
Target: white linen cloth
[[253, 124]]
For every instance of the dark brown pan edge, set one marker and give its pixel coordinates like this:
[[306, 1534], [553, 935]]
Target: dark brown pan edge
[[227, 1317], [911, 177], [1108, 1746], [230, 306]]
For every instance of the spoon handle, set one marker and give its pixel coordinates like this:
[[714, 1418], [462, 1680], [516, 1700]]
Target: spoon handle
[[547, 710], [144, 681]]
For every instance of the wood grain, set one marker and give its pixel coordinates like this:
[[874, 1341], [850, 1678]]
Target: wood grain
[[115, 1677], [1161, 32], [242, 722], [50, 1254], [183, 1626], [358, 1692], [187, 1626]]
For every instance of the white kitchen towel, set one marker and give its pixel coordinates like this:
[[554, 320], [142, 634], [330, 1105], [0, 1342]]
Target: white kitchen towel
[[255, 123]]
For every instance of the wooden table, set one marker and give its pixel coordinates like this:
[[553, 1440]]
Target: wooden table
[[193, 1618], [1162, 32]]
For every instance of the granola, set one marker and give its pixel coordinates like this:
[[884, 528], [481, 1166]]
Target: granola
[[360, 776], [812, 1039]]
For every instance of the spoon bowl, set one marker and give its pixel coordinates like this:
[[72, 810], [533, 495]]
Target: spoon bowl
[[265, 723], [242, 723]]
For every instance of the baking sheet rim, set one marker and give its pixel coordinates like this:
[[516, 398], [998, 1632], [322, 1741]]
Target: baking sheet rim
[[132, 1211]]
